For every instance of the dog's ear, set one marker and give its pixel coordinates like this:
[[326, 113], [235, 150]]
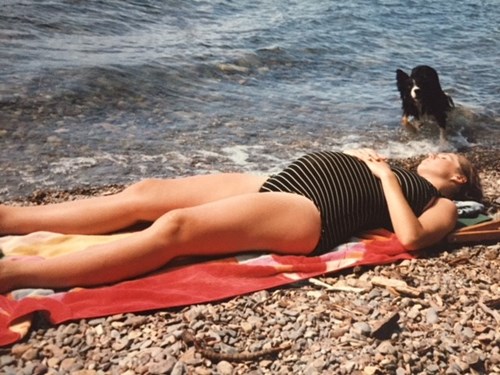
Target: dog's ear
[[401, 79]]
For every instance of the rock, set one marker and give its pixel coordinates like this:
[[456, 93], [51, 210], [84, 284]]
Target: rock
[[30, 354], [121, 344], [6, 360], [384, 328], [19, 349], [67, 364], [224, 368], [348, 367], [362, 328], [135, 321], [385, 347], [178, 369], [432, 368], [53, 362], [414, 311], [472, 358], [165, 366], [70, 329], [40, 369], [246, 326], [431, 316], [468, 333]]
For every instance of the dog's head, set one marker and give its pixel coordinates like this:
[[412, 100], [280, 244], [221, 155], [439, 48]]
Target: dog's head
[[421, 84], [425, 82]]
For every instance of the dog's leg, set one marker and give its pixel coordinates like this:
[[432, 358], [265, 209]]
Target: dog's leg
[[444, 145], [443, 140], [406, 123], [441, 121]]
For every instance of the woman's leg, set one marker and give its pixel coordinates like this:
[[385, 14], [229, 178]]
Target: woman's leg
[[279, 222], [143, 201]]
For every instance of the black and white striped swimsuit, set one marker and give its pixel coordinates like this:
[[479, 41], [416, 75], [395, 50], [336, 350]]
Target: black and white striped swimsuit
[[349, 197]]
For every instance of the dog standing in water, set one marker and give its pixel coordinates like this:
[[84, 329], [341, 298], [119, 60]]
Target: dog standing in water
[[422, 97]]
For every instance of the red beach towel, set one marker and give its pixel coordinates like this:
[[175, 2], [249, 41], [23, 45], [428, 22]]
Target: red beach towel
[[174, 285]]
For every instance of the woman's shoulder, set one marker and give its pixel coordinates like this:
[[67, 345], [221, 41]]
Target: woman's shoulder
[[444, 205]]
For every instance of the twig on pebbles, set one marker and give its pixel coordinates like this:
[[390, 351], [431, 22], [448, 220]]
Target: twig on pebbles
[[338, 288], [200, 346], [395, 285], [487, 310], [493, 303]]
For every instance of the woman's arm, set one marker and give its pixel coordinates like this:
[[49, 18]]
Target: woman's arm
[[416, 232], [413, 232]]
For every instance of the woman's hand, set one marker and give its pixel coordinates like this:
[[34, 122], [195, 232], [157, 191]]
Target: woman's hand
[[413, 232], [376, 162]]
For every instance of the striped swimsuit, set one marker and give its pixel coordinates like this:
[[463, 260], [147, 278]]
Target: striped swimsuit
[[349, 197]]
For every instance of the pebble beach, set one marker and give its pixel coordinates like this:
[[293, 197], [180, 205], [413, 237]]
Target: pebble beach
[[436, 314], [95, 95]]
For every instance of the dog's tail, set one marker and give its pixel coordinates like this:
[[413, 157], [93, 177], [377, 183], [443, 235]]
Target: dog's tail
[[451, 104]]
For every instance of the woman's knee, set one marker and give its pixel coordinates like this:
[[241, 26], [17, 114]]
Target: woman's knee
[[142, 199], [168, 229], [141, 188]]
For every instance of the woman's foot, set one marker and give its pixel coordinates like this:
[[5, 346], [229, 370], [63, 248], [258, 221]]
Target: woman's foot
[[2, 219], [6, 284], [10, 275]]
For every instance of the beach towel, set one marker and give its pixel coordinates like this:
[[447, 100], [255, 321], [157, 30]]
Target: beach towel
[[175, 285]]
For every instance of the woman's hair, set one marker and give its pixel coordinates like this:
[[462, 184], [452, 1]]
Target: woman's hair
[[472, 189]]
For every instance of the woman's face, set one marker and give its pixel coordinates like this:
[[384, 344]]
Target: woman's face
[[443, 164]]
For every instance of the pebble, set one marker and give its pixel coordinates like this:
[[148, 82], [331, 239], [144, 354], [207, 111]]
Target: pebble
[[362, 328], [431, 316], [224, 368], [386, 347]]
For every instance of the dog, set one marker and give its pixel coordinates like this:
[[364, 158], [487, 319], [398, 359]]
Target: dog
[[422, 97]]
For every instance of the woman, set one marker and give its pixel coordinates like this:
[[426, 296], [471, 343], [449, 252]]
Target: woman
[[317, 202]]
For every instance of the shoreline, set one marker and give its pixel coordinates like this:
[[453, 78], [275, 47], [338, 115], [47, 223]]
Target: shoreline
[[487, 161], [450, 327]]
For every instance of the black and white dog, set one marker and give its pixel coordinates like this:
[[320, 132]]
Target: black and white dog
[[422, 97]]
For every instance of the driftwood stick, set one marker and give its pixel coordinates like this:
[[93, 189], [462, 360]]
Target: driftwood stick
[[337, 288], [493, 303], [399, 286], [492, 312], [200, 346]]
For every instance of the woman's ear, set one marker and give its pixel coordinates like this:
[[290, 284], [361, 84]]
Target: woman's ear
[[459, 179]]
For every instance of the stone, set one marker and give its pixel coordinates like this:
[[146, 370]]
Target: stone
[[165, 366], [30, 354], [246, 327], [431, 316], [225, 368], [362, 328], [19, 349], [178, 369], [6, 360], [385, 347], [384, 328]]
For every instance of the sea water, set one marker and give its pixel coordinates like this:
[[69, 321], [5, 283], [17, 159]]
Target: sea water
[[102, 92]]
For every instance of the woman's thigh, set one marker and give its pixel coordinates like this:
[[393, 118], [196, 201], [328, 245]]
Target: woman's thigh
[[279, 222], [158, 196]]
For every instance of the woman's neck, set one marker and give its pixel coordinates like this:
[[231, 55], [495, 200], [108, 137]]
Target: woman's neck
[[445, 187]]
